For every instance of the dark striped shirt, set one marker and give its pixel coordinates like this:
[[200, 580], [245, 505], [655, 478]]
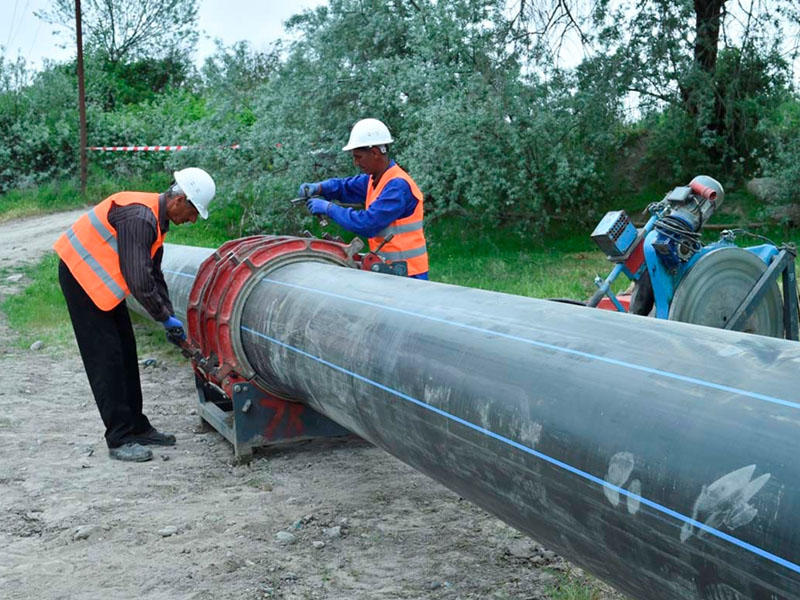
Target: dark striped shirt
[[137, 231]]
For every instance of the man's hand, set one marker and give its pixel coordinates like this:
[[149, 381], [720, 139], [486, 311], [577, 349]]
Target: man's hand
[[318, 206], [309, 189], [175, 333]]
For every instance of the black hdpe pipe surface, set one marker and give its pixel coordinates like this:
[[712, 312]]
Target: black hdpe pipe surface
[[660, 456]]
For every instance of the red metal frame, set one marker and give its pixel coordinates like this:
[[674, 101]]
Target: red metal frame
[[624, 299], [215, 295], [232, 398]]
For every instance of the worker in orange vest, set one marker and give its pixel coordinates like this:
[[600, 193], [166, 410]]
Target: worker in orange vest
[[392, 201], [110, 252]]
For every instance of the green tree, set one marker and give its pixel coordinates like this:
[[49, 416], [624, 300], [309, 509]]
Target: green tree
[[130, 29], [38, 123], [134, 49], [112, 84], [723, 64], [474, 126]]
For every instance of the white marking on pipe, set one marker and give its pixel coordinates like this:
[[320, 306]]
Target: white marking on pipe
[[726, 501], [633, 504], [620, 468]]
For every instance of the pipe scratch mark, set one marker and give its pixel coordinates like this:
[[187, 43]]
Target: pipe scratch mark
[[726, 501]]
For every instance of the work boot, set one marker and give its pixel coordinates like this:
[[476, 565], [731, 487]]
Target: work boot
[[131, 452], [152, 437]]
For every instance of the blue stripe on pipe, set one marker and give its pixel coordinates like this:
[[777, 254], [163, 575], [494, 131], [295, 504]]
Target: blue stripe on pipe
[[654, 505], [181, 273], [553, 347], [554, 461], [612, 361]]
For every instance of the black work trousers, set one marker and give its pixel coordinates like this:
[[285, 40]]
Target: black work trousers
[[108, 350]]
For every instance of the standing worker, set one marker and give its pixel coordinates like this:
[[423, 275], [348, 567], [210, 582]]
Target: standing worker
[[392, 201], [114, 250]]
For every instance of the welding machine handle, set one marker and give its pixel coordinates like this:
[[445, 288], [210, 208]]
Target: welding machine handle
[[175, 332], [703, 190], [176, 335], [314, 203], [385, 241]]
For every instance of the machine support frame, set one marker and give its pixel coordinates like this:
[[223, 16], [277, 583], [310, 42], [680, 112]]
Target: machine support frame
[[783, 265], [253, 418]]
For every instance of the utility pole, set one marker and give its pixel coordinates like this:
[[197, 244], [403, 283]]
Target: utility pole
[[81, 94]]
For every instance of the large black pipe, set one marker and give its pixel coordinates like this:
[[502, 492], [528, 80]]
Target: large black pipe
[[660, 456]]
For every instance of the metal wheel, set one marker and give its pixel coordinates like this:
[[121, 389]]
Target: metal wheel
[[715, 286]]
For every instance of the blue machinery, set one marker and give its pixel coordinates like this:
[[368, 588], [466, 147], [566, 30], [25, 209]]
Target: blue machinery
[[665, 464], [676, 277]]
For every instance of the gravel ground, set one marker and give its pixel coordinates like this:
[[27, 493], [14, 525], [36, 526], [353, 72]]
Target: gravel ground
[[335, 519]]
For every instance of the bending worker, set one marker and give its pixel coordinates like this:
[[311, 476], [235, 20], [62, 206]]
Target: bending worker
[[392, 201], [114, 250]]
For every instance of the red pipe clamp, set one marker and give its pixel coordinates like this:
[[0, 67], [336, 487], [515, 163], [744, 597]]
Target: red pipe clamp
[[222, 284]]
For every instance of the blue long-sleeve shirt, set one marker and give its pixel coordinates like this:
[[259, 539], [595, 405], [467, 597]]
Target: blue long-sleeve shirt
[[394, 202]]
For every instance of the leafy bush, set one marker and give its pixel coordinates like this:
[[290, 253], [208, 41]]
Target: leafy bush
[[784, 164], [38, 124], [484, 129], [476, 134]]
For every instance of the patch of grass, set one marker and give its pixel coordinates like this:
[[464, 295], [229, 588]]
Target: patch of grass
[[562, 267], [65, 194], [39, 312], [220, 227], [40, 199], [570, 587]]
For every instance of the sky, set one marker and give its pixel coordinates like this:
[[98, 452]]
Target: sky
[[257, 21]]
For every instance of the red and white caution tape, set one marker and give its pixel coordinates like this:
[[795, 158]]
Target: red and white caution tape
[[149, 148]]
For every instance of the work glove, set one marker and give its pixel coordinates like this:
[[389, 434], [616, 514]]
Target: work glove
[[317, 206], [175, 333], [309, 189]]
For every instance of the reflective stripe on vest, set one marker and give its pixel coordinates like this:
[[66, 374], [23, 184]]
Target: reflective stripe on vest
[[89, 249], [95, 266], [395, 229], [106, 233], [408, 243], [403, 255]]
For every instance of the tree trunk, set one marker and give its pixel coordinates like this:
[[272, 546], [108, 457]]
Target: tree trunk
[[707, 22], [708, 16]]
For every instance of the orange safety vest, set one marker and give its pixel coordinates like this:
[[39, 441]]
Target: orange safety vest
[[89, 249], [408, 243]]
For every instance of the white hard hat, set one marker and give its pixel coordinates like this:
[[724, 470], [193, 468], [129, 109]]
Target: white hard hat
[[368, 132], [198, 187]]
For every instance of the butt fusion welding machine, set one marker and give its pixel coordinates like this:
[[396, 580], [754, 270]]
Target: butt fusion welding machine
[[675, 276]]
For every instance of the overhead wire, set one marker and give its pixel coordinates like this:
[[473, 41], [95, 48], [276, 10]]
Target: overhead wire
[[15, 26], [35, 37], [11, 24]]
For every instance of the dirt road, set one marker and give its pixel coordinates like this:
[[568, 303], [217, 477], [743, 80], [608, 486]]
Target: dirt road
[[328, 519]]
